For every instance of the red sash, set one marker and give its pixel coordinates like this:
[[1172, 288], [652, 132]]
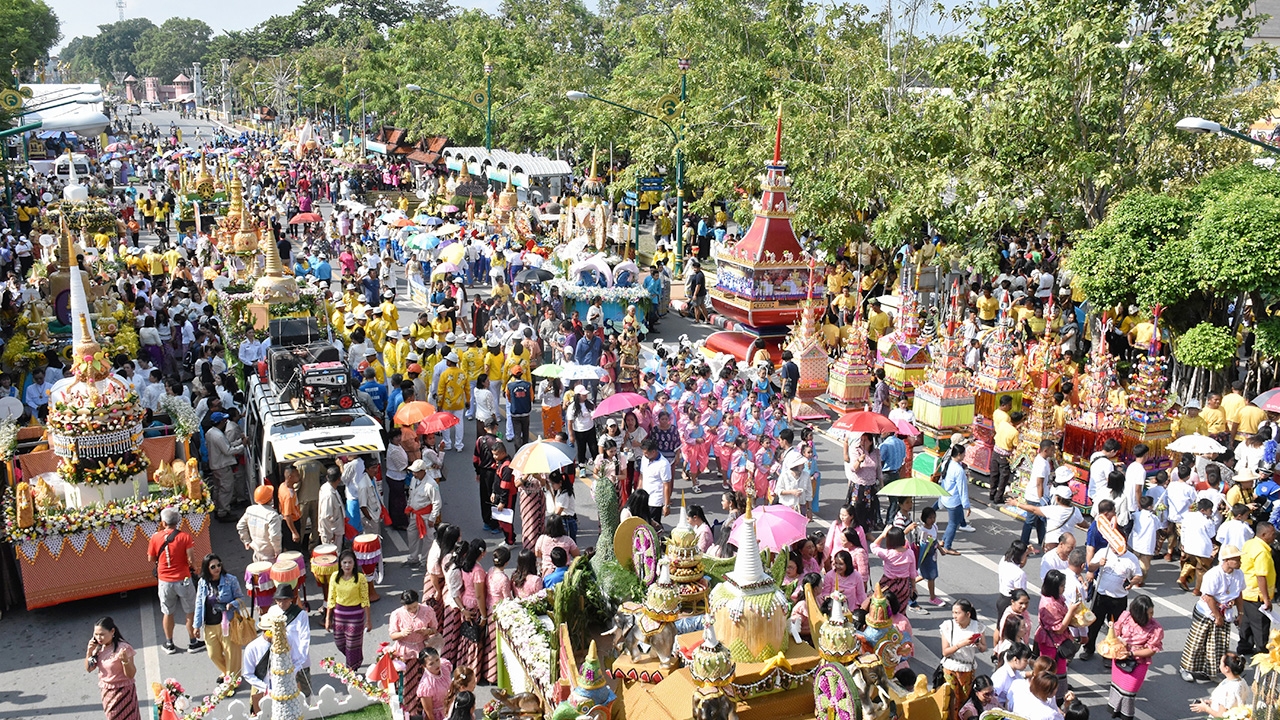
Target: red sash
[[419, 517]]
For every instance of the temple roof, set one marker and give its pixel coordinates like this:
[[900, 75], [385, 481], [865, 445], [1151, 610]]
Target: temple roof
[[771, 240]]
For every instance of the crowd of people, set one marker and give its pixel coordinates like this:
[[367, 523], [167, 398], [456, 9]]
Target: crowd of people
[[474, 351]]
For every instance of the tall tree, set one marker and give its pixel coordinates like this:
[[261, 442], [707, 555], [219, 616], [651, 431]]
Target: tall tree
[[111, 50], [30, 28], [169, 49]]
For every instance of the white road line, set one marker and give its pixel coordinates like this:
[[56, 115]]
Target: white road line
[[398, 541], [150, 650]]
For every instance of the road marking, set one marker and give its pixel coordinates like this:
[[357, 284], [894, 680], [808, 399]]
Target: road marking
[[150, 649], [398, 541]]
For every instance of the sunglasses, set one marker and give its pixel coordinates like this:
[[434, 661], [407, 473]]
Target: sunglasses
[[215, 566]]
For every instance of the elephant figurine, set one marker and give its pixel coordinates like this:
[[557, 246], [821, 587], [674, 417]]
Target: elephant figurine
[[713, 705], [633, 629], [522, 706]]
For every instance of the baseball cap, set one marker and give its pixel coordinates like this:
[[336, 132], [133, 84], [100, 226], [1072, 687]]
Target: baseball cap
[[579, 390], [417, 466], [218, 417], [414, 368], [612, 422]]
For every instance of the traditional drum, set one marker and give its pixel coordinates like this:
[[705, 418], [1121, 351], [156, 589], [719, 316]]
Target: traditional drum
[[368, 550], [326, 549], [295, 557], [323, 568], [286, 572], [257, 578]]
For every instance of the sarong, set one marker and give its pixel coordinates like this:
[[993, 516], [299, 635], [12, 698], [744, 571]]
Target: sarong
[[900, 587], [533, 517], [1125, 686], [1206, 644], [412, 675], [450, 627], [961, 683], [121, 703], [552, 420], [490, 673], [348, 633]]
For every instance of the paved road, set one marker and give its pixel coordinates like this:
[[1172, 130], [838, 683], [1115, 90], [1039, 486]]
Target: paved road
[[41, 673]]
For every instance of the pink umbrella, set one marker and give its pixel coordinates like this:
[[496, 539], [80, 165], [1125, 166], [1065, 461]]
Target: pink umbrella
[[449, 209], [777, 527], [438, 422], [906, 428], [618, 403]]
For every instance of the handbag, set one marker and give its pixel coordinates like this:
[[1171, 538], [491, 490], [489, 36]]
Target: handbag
[[1068, 649], [243, 631], [470, 630], [1126, 665]]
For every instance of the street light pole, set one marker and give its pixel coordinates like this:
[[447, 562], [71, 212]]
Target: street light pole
[[1200, 125], [679, 263], [488, 106]]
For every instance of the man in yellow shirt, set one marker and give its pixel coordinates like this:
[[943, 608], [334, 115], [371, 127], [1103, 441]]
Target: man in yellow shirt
[[1233, 401], [171, 258], [494, 361], [421, 330], [1141, 335], [1003, 408], [1006, 441], [454, 395], [379, 370], [878, 322], [845, 304], [988, 307], [471, 363], [395, 353], [1190, 422], [377, 329], [839, 278], [1215, 417], [501, 292], [1259, 584], [155, 265], [1249, 418], [390, 312]]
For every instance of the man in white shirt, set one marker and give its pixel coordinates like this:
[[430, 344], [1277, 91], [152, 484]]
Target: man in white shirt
[[1214, 614], [1180, 496], [1034, 493], [397, 472], [1198, 529], [424, 512], [1101, 464], [1135, 479], [1235, 531], [331, 517], [37, 393], [655, 478], [1056, 559], [1116, 570], [259, 527]]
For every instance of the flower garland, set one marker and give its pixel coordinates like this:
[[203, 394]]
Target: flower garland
[[171, 697], [530, 640], [351, 678], [182, 415], [108, 472], [220, 693], [8, 439], [621, 295], [79, 520]]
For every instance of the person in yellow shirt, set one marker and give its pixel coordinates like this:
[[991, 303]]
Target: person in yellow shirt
[[661, 254], [1004, 406], [1214, 416], [988, 307], [501, 292], [471, 362], [1249, 418], [377, 329], [519, 356], [878, 322], [1141, 334], [443, 326], [379, 371], [390, 312], [1190, 421], [1059, 411], [494, 363], [1259, 568], [171, 258], [1006, 441], [395, 353], [155, 265], [871, 279], [421, 330], [839, 278], [1128, 321], [351, 297], [845, 305], [430, 355], [454, 395], [1232, 402]]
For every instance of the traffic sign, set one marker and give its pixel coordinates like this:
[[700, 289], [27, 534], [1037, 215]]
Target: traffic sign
[[653, 183], [629, 198]]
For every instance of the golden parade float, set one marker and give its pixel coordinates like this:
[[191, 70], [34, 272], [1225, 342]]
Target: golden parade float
[[943, 404], [78, 508], [997, 377], [1097, 418], [904, 353]]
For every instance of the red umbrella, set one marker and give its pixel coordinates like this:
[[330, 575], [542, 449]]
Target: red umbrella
[[863, 421], [439, 422], [1269, 400], [304, 218]]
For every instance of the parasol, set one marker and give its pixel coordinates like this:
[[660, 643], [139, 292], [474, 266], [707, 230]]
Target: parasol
[[401, 222], [550, 370], [444, 269], [582, 372], [906, 428], [305, 218], [777, 528], [429, 221], [864, 421], [438, 422], [534, 275], [1269, 400], [913, 487], [392, 216], [453, 254], [619, 402], [449, 209], [1196, 444], [412, 413], [447, 229], [540, 457]]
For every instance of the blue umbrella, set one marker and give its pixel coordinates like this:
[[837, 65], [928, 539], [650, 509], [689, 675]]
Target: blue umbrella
[[432, 222]]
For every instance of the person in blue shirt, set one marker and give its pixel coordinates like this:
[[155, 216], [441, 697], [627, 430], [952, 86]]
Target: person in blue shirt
[[588, 349], [323, 272], [376, 390], [653, 285], [520, 405], [559, 559], [893, 452], [955, 480], [371, 287]]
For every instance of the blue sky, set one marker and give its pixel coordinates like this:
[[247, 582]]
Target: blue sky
[[82, 17]]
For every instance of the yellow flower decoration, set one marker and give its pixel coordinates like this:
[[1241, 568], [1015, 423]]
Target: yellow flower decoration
[[777, 662], [1270, 660]]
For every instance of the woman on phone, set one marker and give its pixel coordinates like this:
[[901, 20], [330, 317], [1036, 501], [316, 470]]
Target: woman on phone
[[112, 657], [962, 640]]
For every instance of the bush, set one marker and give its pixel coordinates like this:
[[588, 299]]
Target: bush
[[1206, 346]]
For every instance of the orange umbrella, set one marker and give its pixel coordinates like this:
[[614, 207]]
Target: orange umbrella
[[412, 413], [438, 422], [402, 222]]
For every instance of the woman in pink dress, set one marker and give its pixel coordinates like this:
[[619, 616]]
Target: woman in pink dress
[[553, 537], [411, 627], [499, 588], [1141, 637], [694, 444], [113, 658], [527, 581], [475, 595], [852, 585], [433, 582], [433, 688]]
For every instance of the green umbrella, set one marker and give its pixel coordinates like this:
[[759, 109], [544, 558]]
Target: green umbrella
[[913, 487], [550, 370]]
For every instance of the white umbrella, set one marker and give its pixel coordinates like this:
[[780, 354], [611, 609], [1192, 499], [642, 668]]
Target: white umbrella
[[582, 372], [1196, 444]]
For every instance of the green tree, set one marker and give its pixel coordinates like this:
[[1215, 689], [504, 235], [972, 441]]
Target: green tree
[[112, 49], [30, 29], [169, 49]]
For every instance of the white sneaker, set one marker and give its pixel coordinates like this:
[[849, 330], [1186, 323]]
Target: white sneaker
[[967, 528]]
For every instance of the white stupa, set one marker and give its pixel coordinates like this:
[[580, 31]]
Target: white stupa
[[751, 613]]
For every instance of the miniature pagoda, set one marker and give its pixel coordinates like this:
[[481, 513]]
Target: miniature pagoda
[[686, 565], [761, 279], [1097, 419], [904, 353], [996, 377], [808, 352], [944, 403], [849, 380], [1147, 420], [751, 614], [1036, 428]]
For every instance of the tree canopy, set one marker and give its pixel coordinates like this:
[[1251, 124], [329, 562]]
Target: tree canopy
[[30, 29]]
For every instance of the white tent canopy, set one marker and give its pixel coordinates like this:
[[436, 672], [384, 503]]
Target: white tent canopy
[[85, 119]]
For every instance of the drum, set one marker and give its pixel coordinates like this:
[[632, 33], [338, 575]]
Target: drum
[[285, 572], [323, 568], [368, 550], [322, 550], [296, 558], [257, 579]]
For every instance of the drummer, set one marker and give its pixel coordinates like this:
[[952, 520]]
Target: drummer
[[259, 527]]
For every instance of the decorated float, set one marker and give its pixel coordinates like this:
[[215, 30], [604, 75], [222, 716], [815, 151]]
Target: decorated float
[[943, 404], [997, 377], [904, 353], [78, 508], [1147, 420], [849, 379], [1096, 419]]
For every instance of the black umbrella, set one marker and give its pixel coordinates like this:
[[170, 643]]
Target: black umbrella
[[533, 275]]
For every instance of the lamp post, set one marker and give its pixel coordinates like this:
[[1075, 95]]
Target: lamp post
[[487, 110], [1199, 125], [676, 137]]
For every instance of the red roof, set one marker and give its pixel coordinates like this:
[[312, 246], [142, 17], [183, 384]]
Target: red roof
[[768, 240]]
